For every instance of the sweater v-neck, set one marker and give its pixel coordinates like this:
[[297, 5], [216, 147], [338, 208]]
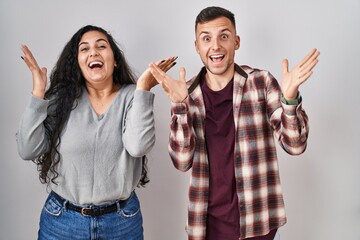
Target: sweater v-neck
[[96, 116]]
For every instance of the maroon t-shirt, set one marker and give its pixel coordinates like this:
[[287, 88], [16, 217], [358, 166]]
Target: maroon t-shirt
[[223, 213]]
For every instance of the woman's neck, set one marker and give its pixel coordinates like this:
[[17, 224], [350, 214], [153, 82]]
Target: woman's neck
[[101, 98]]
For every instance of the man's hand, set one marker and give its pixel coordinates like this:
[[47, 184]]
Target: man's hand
[[298, 75], [175, 89], [146, 81]]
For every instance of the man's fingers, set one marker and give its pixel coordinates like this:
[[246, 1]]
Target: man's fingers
[[307, 57], [305, 77], [182, 74], [165, 87], [285, 66], [159, 75], [308, 68], [156, 71], [312, 55], [310, 63]]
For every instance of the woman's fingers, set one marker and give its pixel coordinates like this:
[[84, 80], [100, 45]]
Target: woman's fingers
[[29, 59], [165, 65]]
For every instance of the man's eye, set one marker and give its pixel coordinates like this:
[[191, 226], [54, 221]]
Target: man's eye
[[206, 39], [224, 36]]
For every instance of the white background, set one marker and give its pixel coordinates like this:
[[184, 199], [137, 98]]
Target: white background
[[321, 187]]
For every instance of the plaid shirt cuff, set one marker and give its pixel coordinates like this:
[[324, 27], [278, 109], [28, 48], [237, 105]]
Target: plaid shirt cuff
[[180, 108]]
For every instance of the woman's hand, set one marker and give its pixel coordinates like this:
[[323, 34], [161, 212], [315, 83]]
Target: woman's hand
[[147, 81], [38, 74], [292, 80]]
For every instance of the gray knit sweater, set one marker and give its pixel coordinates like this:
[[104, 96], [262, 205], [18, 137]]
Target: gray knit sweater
[[100, 155]]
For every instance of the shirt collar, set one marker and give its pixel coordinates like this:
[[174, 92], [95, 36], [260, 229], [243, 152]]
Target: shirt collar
[[243, 71]]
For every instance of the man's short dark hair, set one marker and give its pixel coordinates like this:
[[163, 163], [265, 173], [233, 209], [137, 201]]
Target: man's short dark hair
[[211, 13]]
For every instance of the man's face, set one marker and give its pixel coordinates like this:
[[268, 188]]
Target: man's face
[[216, 42]]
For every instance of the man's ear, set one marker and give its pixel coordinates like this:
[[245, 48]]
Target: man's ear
[[196, 46], [237, 42]]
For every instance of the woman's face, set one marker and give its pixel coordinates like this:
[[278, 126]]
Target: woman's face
[[96, 58]]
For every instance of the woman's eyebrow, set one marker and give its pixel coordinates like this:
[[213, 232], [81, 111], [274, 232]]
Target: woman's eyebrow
[[99, 40]]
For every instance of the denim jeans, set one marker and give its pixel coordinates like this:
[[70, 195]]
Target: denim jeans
[[59, 223]]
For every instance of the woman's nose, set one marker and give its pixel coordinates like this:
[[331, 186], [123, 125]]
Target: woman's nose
[[94, 52]]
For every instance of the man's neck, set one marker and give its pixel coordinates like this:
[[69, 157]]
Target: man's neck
[[217, 82]]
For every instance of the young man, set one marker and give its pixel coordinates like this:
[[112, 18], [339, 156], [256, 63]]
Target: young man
[[223, 126]]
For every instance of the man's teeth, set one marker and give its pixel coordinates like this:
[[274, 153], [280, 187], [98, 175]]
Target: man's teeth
[[217, 56]]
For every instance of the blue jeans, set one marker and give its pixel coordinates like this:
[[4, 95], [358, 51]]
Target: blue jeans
[[59, 223]]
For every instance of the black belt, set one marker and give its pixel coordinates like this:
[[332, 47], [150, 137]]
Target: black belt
[[92, 211]]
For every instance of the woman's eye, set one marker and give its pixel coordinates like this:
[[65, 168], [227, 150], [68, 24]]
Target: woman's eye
[[102, 47]]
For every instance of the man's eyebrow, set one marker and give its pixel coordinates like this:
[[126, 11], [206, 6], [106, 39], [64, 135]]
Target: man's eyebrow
[[221, 31], [99, 40], [203, 32]]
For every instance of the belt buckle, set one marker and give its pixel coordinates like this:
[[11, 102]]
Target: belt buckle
[[84, 213]]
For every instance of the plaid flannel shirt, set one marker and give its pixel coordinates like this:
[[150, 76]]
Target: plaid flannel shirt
[[260, 117]]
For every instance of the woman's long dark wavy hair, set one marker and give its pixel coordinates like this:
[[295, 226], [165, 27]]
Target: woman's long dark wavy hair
[[66, 86]]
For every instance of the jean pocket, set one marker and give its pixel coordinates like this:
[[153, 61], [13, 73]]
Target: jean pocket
[[52, 208], [132, 208], [130, 213]]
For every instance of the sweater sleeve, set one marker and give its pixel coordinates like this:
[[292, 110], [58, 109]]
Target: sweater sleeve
[[31, 138], [139, 125]]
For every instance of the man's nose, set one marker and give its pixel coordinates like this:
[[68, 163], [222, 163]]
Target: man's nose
[[216, 44]]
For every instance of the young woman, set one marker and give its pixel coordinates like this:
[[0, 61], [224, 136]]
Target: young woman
[[88, 133]]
